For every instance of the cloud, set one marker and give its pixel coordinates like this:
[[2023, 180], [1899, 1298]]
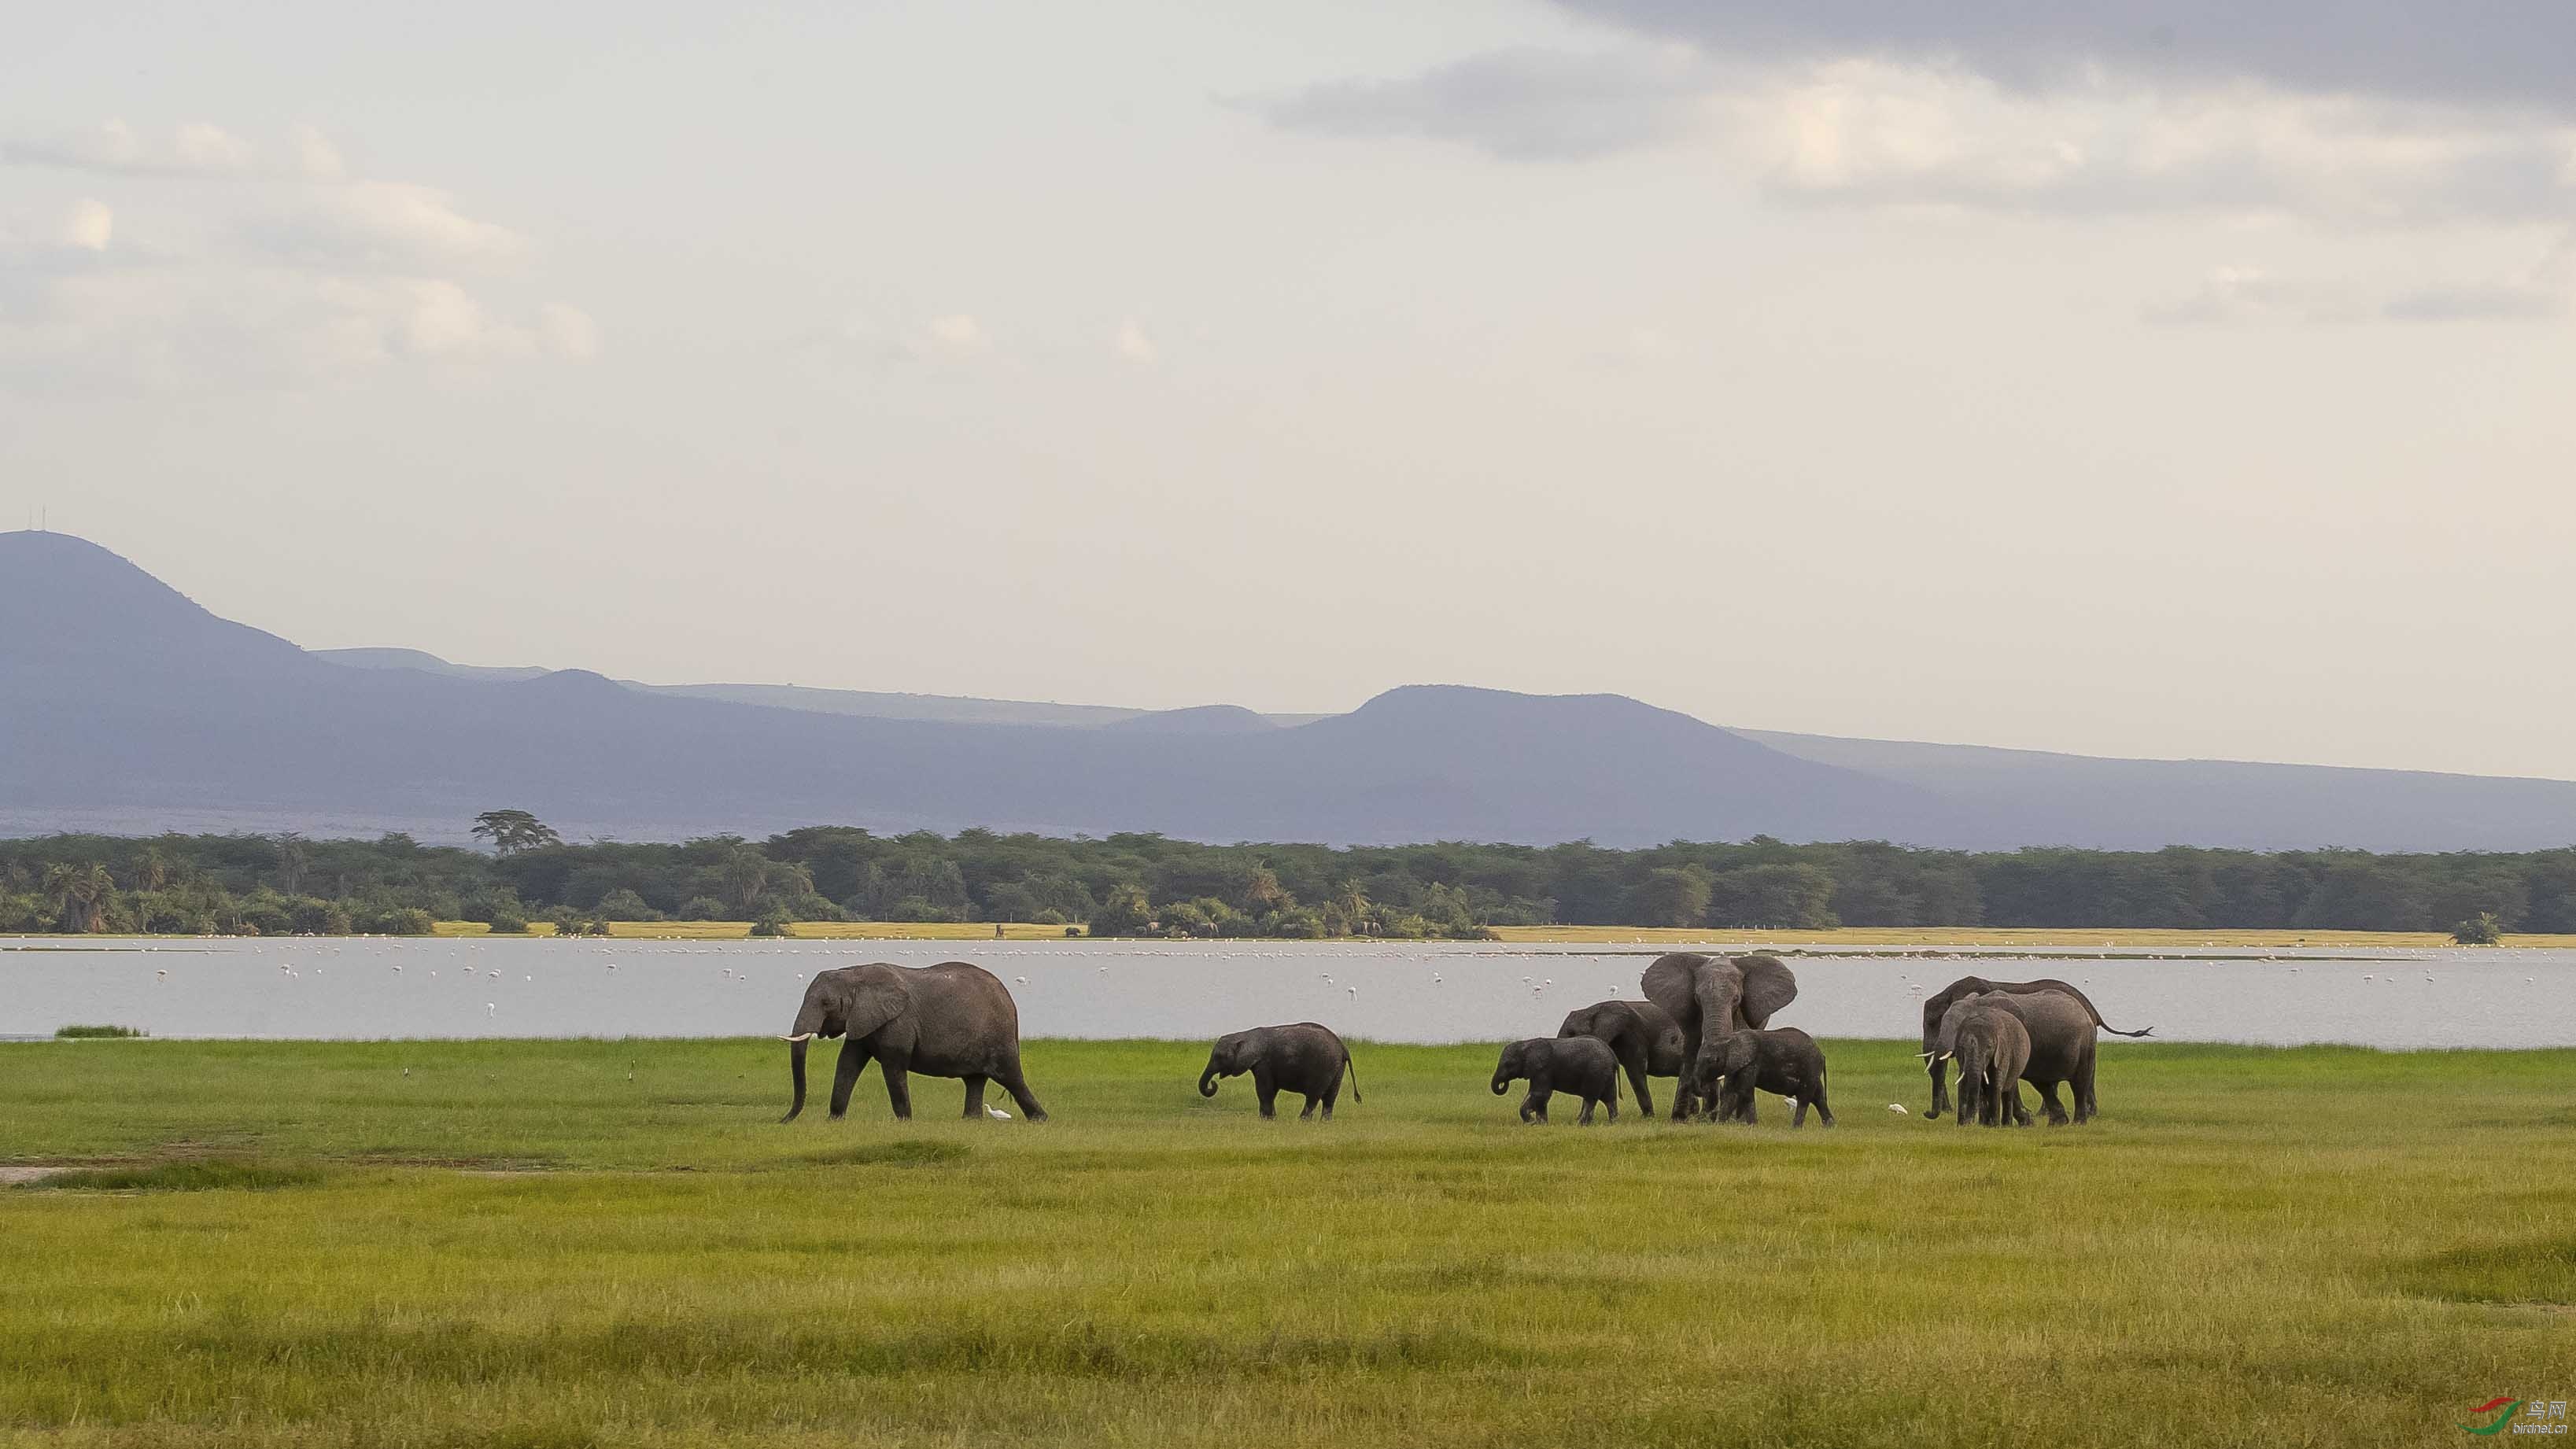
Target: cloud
[[2243, 295], [1876, 131], [957, 335], [2516, 56], [1522, 105], [385, 222], [1132, 345], [114, 148], [89, 225], [294, 273]]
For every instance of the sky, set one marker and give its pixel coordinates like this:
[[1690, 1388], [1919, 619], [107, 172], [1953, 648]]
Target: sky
[[2097, 376]]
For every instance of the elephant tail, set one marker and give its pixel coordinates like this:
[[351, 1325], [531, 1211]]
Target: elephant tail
[[1353, 1068], [2115, 1031]]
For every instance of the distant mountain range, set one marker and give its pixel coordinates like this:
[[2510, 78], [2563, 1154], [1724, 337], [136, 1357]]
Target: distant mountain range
[[126, 708]]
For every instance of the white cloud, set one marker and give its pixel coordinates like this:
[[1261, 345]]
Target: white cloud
[[378, 222], [956, 335], [1522, 105], [2246, 295], [112, 147], [297, 273], [316, 159], [89, 225], [1132, 345]]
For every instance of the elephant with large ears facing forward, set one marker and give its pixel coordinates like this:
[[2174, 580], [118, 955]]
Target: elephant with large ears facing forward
[[1304, 1057], [1710, 998], [1939, 1003], [1642, 1035], [949, 1020]]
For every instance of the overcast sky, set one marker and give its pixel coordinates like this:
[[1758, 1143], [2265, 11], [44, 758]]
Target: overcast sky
[[2110, 377]]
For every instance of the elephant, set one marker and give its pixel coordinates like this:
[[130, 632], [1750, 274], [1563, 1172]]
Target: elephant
[[1993, 1050], [1940, 1001], [2061, 1045], [1708, 998], [1643, 1036], [1785, 1062], [1582, 1065], [949, 1020], [1303, 1058]]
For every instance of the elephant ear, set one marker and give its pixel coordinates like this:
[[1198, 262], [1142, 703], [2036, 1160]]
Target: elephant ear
[[874, 997], [1673, 983], [1768, 987]]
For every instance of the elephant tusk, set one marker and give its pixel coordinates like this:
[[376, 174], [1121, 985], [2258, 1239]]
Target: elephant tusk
[[800, 1036]]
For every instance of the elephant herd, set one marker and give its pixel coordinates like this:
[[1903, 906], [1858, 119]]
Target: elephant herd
[[1705, 1023]]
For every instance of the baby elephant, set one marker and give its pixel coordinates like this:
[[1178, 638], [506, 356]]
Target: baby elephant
[[1992, 1048], [1784, 1062], [1304, 1058], [1582, 1065]]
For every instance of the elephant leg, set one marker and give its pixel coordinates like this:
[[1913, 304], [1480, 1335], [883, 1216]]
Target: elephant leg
[[1267, 1087], [845, 1075], [1534, 1106], [2015, 1114], [1018, 1086], [1684, 1096], [1312, 1102], [1940, 1072], [1744, 1106], [1610, 1098], [1584, 1117], [898, 1080], [1332, 1093], [974, 1097], [2086, 1108], [1632, 1059], [2047, 1102], [1824, 1114], [1798, 1118]]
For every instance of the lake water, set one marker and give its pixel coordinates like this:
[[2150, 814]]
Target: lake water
[[1404, 992]]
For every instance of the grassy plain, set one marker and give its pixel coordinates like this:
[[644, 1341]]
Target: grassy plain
[[1926, 937], [614, 1243]]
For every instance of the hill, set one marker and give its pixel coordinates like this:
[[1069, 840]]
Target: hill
[[125, 707]]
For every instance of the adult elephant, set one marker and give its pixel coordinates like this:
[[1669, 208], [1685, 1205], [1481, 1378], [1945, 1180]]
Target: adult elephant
[[1939, 1003], [1709, 997], [949, 1020], [1643, 1036], [2061, 1044]]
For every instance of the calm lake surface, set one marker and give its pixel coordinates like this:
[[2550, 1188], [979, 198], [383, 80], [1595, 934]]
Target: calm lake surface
[[1402, 992]]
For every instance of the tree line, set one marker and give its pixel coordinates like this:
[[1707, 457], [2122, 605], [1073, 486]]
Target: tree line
[[1137, 884]]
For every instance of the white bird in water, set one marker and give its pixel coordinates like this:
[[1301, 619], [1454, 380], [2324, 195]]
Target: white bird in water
[[164, 975], [490, 1010], [1353, 990], [1022, 980]]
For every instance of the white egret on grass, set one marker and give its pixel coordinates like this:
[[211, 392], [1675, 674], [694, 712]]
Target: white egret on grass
[[996, 1113], [1898, 1108]]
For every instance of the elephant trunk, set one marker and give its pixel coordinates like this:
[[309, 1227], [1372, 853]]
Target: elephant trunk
[[796, 1074], [1502, 1083], [1207, 1079]]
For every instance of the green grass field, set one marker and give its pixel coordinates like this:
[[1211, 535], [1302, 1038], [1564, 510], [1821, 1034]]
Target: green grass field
[[603, 1243]]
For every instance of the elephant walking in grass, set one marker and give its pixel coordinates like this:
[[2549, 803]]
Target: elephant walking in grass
[[1710, 997], [948, 1020], [1993, 1050], [1304, 1058], [1643, 1036], [1785, 1062], [1940, 1002], [2062, 1046], [1581, 1065]]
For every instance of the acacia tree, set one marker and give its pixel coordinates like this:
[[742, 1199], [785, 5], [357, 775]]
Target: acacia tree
[[512, 831]]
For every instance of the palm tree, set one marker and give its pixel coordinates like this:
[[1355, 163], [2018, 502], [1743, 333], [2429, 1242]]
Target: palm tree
[[80, 894]]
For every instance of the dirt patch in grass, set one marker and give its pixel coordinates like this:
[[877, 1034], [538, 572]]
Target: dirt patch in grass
[[182, 1176]]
